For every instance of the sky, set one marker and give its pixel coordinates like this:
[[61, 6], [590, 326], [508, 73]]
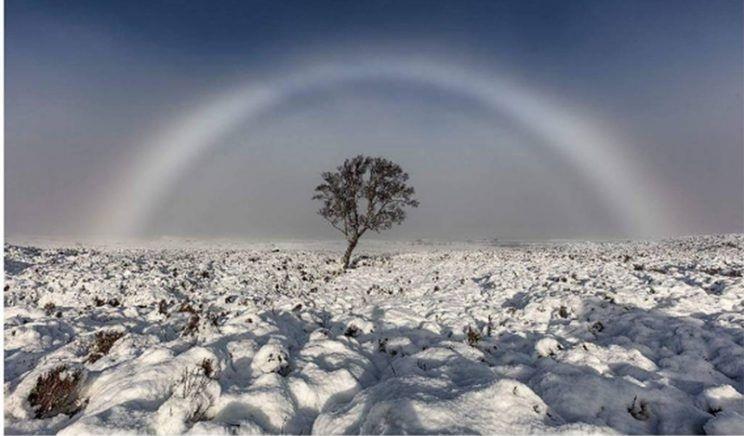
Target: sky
[[95, 89]]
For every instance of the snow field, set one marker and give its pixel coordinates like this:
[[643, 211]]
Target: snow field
[[572, 337]]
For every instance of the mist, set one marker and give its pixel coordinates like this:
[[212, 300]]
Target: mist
[[89, 85]]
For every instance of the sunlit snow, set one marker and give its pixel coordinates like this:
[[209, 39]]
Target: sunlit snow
[[631, 337]]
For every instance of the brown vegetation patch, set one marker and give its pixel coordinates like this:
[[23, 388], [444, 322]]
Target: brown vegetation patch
[[102, 344], [56, 392]]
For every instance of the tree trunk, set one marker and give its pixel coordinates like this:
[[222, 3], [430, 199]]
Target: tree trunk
[[349, 249]]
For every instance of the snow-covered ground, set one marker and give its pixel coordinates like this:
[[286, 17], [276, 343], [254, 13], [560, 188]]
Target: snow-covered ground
[[418, 338]]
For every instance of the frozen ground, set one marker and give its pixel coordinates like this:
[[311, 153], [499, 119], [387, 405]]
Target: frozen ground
[[578, 337]]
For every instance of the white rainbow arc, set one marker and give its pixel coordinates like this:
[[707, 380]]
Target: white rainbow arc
[[170, 153]]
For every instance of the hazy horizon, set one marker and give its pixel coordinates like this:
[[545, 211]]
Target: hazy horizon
[[508, 116]]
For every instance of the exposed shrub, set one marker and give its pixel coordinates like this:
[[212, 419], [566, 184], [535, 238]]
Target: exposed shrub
[[195, 387], [207, 366], [102, 344], [56, 392], [473, 337], [193, 324], [189, 385], [186, 307], [163, 307]]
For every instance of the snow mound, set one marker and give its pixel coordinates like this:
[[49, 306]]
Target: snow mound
[[420, 405]]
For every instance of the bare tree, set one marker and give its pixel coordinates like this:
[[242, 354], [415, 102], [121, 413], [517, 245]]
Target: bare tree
[[363, 194]]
